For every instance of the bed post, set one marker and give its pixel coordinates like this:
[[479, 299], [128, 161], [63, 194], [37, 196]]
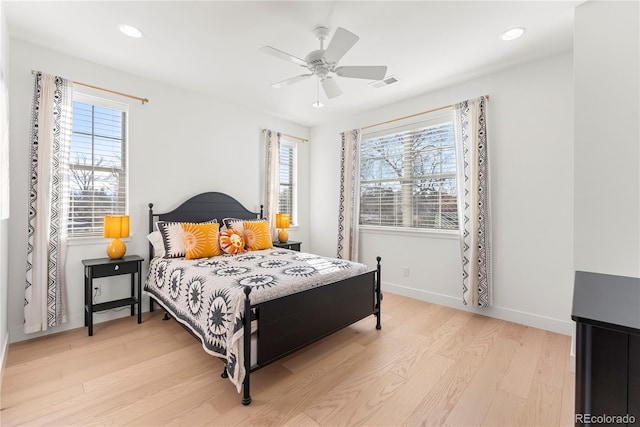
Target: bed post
[[150, 250], [246, 399], [150, 229], [378, 293]]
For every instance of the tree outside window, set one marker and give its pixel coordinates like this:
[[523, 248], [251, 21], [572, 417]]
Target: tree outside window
[[407, 178]]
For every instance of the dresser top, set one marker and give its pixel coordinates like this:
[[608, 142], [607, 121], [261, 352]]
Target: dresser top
[[607, 300]]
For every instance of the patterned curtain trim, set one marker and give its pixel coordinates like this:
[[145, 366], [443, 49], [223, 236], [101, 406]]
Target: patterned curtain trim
[[474, 202], [50, 139], [272, 168], [349, 208]]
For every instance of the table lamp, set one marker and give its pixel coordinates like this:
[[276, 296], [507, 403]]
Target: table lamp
[[115, 227], [283, 221]]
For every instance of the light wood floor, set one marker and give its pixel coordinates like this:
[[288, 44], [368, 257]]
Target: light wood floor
[[429, 365]]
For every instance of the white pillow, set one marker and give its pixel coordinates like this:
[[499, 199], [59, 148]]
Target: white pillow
[[158, 245]]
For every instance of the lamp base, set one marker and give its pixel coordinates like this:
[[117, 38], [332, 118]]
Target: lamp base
[[283, 236], [116, 249]]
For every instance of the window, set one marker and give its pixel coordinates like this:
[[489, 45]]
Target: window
[[287, 202], [408, 175], [97, 164]]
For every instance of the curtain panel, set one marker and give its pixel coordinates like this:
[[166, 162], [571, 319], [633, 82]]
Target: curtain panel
[[474, 201], [349, 209], [50, 140], [272, 168]]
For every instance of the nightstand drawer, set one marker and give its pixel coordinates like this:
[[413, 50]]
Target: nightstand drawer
[[112, 269]]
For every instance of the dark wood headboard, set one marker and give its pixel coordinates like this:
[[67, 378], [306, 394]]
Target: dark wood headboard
[[204, 207]]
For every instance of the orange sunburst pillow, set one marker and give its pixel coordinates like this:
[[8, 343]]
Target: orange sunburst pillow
[[231, 241], [257, 235], [201, 240]]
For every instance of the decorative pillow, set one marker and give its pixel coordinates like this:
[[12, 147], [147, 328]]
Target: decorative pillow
[[257, 235], [173, 237], [238, 223], [201, 240], [231, 241], [155, 238]]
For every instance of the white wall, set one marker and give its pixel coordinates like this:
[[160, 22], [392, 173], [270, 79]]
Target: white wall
[[530, 131], [181, 144], [607, 138], [4, 224]]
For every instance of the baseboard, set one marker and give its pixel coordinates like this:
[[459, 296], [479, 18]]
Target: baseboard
[[572, 355], [3, 356], [528, 319], [74, 321]]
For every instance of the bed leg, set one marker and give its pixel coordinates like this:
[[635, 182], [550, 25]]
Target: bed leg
[[246, 399], [151, 308], [224, 373], [166, 316], [378, 293]]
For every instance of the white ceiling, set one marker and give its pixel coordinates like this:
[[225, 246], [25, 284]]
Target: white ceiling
[[213, 46]]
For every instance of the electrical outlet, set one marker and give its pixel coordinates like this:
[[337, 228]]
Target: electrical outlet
[[405, 271], [97, 290]]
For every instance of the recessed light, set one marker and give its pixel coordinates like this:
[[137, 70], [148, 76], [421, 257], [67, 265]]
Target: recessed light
[[130, 30], [512, 34], [318, 104]]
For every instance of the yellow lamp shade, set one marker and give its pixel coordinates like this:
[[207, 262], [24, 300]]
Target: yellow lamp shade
[[115, 227], [283, 221]]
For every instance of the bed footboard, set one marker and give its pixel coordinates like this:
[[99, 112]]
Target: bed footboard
[[289, 323]]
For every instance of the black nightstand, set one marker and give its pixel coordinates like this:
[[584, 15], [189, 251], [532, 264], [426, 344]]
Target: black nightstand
[[290, 244], [106, 267]]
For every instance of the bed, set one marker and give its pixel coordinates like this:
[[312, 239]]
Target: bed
[[292, 298]]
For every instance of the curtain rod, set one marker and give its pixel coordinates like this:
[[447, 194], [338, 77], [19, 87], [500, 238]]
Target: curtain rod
[[411, 116], [143, 100], [297, 138]]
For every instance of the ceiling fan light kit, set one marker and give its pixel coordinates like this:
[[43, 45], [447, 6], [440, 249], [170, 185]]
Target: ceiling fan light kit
[[323, 61]]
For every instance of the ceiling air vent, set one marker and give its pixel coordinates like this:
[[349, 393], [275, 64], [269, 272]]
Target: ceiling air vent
[[384, 82]]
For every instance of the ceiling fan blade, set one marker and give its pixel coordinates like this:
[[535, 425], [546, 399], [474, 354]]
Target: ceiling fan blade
[[340, 44], [283, 55], [331, 88], [371, 72], [291, 80]]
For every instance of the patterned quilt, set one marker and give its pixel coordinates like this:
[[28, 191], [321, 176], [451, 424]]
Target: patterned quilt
[[207, 294]]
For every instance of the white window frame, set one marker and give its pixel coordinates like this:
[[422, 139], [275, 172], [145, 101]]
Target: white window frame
[[291, 144], [80, 96], [432, 119]]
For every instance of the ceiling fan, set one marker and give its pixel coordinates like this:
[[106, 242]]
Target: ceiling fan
[[323, 61]]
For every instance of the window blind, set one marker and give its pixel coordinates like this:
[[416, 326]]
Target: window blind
[[97, 166], [287, 179], [408, 176]]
